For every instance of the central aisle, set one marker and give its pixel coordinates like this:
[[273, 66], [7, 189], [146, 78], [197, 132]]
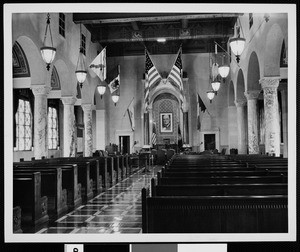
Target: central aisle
[[117, 210]]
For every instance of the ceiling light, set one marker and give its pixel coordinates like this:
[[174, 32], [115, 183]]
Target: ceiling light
[[161, 40]]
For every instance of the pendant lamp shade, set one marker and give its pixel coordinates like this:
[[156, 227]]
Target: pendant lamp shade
[[215, 85], [115, 98], [48, 54], [224, 71], [210, 95], [237, 46], [101, 89]]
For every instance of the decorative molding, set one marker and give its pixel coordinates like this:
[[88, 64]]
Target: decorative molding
[[68, 100], [252, 95], [40, 89], [240, 103], [87, 107], [20, 63], [55, 82], [269, 82]]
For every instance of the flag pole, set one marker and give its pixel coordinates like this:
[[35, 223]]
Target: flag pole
[[128, 106]]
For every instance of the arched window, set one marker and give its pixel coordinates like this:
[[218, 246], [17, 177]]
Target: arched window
[[53, 136], [23, 118]]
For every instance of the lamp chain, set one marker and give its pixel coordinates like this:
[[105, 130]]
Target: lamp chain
[[48, 25]]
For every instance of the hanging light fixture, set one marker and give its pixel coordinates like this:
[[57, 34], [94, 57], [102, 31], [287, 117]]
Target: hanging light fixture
[[237, 45], [80, 68], [210, 95], [101, 89], [223, 69], [215, 86], [115, 97], [48, 52]]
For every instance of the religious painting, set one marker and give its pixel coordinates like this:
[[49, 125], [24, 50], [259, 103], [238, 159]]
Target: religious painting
[[166, 122]]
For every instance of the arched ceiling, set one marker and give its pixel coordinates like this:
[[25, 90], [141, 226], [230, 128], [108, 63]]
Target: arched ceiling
[[129, 33]]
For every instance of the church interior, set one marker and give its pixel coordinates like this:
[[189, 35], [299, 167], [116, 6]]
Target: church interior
[[140, 123]]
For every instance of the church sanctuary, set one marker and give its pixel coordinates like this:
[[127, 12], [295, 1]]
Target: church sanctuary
[[149, 122]]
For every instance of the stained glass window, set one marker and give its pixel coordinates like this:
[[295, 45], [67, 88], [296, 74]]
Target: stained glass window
[[52, 128], [23, 126]]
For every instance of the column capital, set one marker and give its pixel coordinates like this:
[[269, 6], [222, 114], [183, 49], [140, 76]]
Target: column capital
[[40, 89], [68, 100], [239, 103], [87, 107], [252, 95], [269, 82]]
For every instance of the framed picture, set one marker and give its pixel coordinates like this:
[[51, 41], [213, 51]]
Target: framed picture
[[166, 122]]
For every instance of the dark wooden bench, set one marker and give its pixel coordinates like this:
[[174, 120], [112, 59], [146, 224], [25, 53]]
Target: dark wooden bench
[[220, 180], [51, 186], [17, 213], [262, 172], [214, 214], [83, 176], [112, 176], [69, 180], [27, 195], [95, 173], [83, 173], [220, 189]]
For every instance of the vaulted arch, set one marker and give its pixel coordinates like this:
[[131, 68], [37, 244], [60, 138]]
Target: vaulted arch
[[253, 75], [36, 64], [240, 86]]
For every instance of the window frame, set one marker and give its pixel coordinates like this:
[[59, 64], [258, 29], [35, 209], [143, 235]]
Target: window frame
[[50, 139], [62, 24], [18, 125]]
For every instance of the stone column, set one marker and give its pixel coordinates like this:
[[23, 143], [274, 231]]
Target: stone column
[[185, 127], [284, 122], [69, 126], [241, 126], [88, 130], [252, 121], [40, 120], [272, 128], [146, 128]]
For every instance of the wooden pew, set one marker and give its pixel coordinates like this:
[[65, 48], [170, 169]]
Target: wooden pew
[[51, 186], [17, 213], [103, 171], [95, 173], [220, 189], [83, 173], [221, 180], [215, 214], [69, 180], [27, 195], [112, 176], [262, 172]]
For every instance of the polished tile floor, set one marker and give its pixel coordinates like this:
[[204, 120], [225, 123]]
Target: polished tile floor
[[117, 210]]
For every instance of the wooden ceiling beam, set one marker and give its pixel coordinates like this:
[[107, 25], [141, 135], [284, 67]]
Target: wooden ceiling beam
[[95, 20]]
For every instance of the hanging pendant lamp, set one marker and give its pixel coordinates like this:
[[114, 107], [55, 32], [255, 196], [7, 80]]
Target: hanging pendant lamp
[[80, 68], [48, 52], [210, 95]]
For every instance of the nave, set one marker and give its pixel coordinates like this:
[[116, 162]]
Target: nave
[[117, 210]]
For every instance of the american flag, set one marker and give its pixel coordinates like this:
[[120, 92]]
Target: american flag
[[175, 75], [151, 77], [153, 137]]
